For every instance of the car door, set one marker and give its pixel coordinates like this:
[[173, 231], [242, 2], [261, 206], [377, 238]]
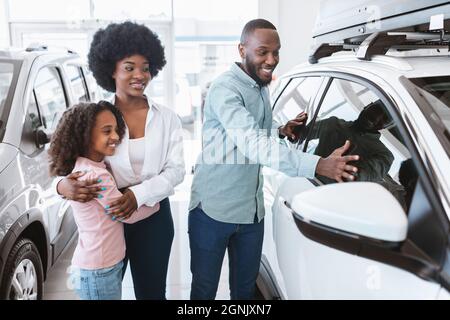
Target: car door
[[46, 102], [315, 268], [292, 96]]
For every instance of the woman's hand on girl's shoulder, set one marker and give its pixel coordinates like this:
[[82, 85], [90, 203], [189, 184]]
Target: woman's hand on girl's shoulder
[[83, 190]]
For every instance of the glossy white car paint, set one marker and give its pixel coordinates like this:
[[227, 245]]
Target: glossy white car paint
[[363, 208]]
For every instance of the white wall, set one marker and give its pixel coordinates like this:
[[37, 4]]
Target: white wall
[[294, 20], [4, 30]]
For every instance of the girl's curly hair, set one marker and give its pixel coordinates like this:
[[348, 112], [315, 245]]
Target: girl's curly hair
[[72, 137], [118, 41]]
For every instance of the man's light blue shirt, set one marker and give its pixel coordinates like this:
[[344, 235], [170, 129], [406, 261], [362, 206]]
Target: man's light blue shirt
[[237, 140]]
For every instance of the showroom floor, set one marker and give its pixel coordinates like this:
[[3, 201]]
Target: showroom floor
[[58, 286]]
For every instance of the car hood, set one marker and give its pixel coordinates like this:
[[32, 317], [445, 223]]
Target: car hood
[[7, 154]]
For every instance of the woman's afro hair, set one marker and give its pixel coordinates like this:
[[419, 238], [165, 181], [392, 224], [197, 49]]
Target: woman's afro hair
[[118, 41], [72, 137]]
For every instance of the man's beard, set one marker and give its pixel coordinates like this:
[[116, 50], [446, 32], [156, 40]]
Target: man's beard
[[252, 73]]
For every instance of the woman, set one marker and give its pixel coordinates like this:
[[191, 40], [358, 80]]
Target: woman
[[149, 162]]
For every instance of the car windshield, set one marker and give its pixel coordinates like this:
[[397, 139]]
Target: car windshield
[[6, 77], [436, 90]]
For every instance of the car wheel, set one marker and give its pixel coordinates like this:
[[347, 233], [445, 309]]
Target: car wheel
[[23, 274]]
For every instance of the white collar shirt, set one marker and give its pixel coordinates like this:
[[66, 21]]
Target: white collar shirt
[[164, 166]]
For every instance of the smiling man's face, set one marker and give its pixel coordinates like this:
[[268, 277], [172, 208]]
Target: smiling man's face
[[260, 55]]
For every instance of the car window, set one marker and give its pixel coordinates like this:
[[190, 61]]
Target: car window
[[6, 75], [96, 93], [276, 88], [77, 83], [436, 90], [352, 112], [50, 96], [297, 97]]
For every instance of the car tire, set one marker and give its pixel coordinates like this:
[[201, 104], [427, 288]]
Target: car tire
[[258, 294], [23, 274]]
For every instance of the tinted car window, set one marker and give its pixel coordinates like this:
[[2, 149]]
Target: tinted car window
[[77, 83], [352, 112], [297, 97], [50, 96]]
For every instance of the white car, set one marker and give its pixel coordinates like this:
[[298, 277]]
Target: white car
[[385, 236]]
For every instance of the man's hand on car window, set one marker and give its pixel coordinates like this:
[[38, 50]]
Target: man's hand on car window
[[81, 191], [292, 129], [335, 165]]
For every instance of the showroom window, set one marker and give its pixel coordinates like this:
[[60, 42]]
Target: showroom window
[[200, 37], [50, 96], [48, 9], [134, 9], [351, 111]]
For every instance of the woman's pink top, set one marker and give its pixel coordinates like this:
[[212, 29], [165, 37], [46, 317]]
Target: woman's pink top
[[101, 241]]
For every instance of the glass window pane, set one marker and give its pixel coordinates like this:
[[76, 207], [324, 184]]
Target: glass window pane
[[50, 96], [436, 90], [49, 9], [353, 112], [133, 9], [96, 92], [77, 83], [296, 98], [6, 75]]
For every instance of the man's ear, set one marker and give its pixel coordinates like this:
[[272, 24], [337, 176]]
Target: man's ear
[[241, 49]]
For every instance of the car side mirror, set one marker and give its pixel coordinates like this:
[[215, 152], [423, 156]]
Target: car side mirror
[[42, 137], [359, 208]]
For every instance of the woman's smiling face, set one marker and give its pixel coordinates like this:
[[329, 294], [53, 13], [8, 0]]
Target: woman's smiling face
[[132, 75]]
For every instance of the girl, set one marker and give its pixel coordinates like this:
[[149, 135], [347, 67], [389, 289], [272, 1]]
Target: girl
[[86, 134]]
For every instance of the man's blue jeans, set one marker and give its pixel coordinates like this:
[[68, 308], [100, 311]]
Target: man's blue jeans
[[208, 240]]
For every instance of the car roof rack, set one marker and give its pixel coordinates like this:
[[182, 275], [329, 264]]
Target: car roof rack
[[380, 43], [43, 47]]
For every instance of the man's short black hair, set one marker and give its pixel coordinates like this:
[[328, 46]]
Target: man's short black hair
[[252, 25], [118, 41]]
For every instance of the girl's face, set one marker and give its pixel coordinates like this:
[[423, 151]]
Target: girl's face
[[104, 137], [132, 75]]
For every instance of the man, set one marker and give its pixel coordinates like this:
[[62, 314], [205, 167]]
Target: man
[[226, 208]]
